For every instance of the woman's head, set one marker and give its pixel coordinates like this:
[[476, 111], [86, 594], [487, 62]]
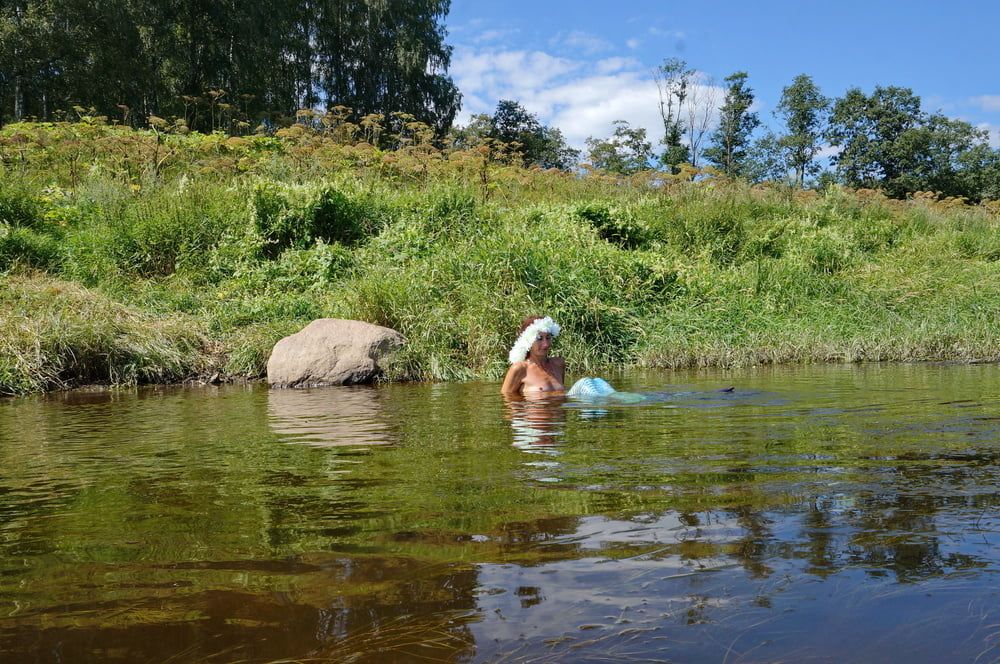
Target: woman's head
[[528, 321], [534, 330]]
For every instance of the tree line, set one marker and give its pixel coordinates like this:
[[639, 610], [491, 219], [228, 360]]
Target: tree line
[[224, 65], [247, 66], [882, 140]]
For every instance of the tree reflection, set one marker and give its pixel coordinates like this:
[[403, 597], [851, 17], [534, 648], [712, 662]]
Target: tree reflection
[[396, 606], [819, 525], [180, 524]]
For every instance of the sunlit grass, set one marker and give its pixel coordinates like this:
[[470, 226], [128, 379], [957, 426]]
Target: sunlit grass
[[245, 244], [54, 334]]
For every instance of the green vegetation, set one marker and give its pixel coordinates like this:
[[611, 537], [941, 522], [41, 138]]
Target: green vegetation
[[517, 134], [230, 67], [378, 71], [731, 140], [885, 140], [133, 256]]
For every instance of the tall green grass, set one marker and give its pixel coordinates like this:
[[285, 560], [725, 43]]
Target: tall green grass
[[111, 274], [54, 334]]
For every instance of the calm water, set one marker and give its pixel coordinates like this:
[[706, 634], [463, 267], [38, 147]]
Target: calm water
[[817, 514]]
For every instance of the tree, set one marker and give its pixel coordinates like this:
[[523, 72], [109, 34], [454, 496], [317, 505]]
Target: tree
[[731, 140], [134, 58], [803, 110], [378, 57], [980, 171], [523, 135], [472, 135], [870, 131], [207, 60], [888, 142], [626, 152], [30, 48], [700, 107], [673, 79], [939, 151], [766, 160], [555, 152], [513, 124]]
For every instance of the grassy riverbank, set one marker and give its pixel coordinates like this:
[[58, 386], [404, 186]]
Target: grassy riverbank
[[141, 257]]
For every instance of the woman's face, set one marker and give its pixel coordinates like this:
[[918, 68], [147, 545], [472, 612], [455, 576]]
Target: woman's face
[[542, 344]]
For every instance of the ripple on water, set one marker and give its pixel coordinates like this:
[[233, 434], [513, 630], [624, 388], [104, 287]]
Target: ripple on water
[[329, 417], [239, 523]]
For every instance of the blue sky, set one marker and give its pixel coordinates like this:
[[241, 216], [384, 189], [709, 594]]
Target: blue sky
[[581, 65]]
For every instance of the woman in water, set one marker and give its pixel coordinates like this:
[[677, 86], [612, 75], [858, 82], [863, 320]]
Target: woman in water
[[532, 371]]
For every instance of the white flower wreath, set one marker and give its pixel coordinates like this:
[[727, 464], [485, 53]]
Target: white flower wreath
[[519, 351]]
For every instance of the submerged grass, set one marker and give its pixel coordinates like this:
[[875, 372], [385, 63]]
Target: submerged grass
[[112, 273]]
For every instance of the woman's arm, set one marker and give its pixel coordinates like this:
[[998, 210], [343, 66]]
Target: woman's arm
[[514, 379], [559, 368]]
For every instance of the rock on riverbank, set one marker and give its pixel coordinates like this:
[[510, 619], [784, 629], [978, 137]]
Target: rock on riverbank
[[330, 351]]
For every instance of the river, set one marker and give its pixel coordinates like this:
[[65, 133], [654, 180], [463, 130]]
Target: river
[[836, 513]]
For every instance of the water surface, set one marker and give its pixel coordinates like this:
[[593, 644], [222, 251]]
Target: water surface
[[814, 514]]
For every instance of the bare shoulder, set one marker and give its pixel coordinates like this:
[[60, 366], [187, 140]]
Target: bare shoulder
[[515, 376]]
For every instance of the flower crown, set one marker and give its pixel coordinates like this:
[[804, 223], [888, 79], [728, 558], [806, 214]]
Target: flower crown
[[523, 344]]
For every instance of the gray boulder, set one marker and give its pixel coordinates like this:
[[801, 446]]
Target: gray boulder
[[329, 351]]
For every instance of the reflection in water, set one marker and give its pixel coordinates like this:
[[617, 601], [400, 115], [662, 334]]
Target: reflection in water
[[328, 417], [538, 425], [760, 525], [656, 590]]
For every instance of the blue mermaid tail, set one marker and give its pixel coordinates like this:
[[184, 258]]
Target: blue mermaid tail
[[595, 389]]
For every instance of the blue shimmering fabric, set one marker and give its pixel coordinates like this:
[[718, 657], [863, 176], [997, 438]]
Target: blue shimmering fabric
[[590, 388]]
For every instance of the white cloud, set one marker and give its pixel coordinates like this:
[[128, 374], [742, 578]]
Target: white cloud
[[494, 75], [633, 43], [611, 65], [587, 106], [494, 36], [663, 36], [828, 151], [580, 42], [580, 97], [468, 26], [989, 103], [993, 132], [660, 32]]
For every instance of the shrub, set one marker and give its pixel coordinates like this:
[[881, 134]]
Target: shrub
[[24, 247], [767, 239], [613, 224], [824, 251], [875, 230], [294, 217], [250, 238], [449, 209], [154, 234], [18, 208], [978, 244], [56, 334]]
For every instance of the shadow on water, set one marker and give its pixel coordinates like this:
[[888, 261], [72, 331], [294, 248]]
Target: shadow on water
[[812, 514]]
